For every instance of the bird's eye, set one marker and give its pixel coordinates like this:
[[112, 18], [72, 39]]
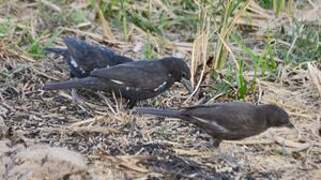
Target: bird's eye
[[184, 74]]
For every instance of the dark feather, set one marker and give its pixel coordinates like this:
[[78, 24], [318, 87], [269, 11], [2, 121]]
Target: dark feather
[[159, 112], [87, 82], [59, 51]]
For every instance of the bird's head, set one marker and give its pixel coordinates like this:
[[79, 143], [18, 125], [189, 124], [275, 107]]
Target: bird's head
[[179, 70], [276, 116]]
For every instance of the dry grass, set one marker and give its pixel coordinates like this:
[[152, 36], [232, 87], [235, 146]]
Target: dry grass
[[116, 143]]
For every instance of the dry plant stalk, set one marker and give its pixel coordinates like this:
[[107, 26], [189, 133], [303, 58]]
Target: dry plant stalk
[[221, 52], [128, 162], [51, 5], [199, 53], [104, 23], [315, 76]]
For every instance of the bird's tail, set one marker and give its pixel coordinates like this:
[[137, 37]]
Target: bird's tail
[[60, 51], [159, 112], [88, 82]]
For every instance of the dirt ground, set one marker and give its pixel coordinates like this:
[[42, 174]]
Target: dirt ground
[[45, 135], [130, 146]]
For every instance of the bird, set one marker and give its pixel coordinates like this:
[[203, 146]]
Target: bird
[[137, 80], [83, 57], [228, 121]]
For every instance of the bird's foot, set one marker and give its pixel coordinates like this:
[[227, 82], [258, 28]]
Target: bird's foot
[[216, 142]]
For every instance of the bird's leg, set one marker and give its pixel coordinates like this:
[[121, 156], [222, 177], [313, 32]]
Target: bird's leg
[[75, 97], [131, 104], [216, 142], [79, 101], [227, 156]]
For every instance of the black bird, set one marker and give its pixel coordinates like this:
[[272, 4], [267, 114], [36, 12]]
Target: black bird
[[83, 57], [228, 121], [135, 81]]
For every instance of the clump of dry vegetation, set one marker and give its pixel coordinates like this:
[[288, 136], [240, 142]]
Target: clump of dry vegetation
[[261, 51]]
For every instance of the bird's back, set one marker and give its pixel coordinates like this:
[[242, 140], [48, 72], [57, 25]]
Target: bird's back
[[84, 57], [137, 80]]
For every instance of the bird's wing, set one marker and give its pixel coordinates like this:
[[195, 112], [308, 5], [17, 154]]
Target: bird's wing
[[86, 56], [140, 74], [230, 116]]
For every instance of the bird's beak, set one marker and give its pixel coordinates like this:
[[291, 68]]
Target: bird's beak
[[187, 84], [289, 125]]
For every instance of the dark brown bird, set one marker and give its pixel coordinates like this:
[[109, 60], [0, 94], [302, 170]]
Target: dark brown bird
[[228, 121], [135, 81]]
